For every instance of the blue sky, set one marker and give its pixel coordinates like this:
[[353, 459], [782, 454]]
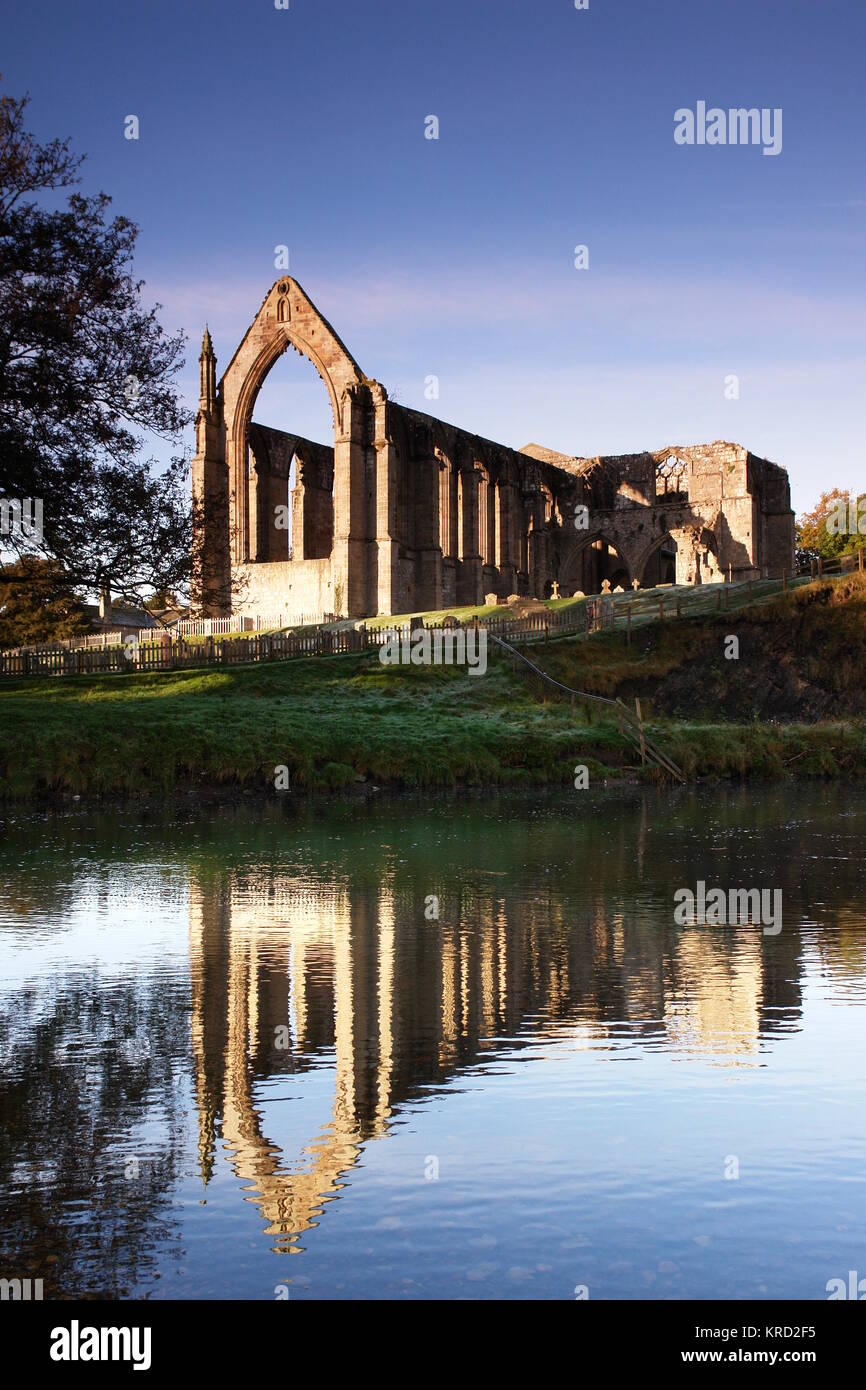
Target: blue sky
[[455, 257]]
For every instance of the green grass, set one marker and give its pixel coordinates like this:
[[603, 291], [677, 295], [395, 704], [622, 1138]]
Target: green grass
[[334, 721], [329, 720], [466, 614], [197, 639], [802, 657]]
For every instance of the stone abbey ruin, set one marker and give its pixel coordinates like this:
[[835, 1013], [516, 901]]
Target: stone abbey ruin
[[406, 513]]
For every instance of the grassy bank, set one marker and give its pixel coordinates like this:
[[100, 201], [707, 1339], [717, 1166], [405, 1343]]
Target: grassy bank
[[801, 659], [344, 722]]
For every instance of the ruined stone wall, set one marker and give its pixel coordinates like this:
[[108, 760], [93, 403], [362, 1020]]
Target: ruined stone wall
[[291, 588], [471, 517], [406, 512]]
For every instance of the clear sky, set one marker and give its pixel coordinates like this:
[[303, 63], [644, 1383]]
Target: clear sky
[[455, 257]]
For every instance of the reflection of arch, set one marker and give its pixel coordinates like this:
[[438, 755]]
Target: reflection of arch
[[335, 969], [231, 1002]]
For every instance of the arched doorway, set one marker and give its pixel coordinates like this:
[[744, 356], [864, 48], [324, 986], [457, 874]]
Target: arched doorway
[[661, 566], [687, 555], [596, 561]]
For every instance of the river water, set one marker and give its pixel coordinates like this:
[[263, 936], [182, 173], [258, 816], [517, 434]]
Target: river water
[[458, 1048]]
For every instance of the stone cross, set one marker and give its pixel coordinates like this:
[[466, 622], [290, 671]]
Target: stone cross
[[554, 593], [635, 584], [605, 586]]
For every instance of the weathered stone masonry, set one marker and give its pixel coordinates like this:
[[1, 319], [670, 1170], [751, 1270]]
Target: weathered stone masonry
[[406, 512]]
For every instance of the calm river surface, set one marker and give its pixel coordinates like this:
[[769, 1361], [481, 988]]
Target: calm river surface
[[240, 1055]]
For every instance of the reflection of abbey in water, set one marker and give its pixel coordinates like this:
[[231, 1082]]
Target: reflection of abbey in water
[[396, 1004]]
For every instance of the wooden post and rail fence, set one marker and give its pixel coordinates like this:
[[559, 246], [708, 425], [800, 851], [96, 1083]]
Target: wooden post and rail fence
[[631, 725], [161, 650]]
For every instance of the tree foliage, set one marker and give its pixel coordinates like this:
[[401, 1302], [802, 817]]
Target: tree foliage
[[37, 604], [87, 374], [832, 527]]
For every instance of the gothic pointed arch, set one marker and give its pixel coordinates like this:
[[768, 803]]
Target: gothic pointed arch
[[287, 318]]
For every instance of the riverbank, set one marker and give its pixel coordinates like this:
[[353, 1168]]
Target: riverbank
[[793, 702]]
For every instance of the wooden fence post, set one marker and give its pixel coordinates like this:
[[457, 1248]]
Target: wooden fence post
[[640, 731], [661, 608], [628, 628]]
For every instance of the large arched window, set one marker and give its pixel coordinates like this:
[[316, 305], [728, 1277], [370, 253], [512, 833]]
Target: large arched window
[[291, 507], [486, 519], [294, 398], [671, 476], [547, 497], [444, 506], [290, 504]]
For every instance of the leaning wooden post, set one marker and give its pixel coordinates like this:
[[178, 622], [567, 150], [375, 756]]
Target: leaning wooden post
[[820, 566], [640, 730], [661, 608], [627, 632]]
